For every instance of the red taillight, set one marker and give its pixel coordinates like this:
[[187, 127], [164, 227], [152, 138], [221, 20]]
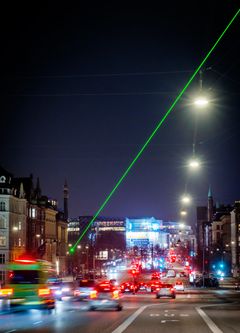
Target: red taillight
[[172, 289], [157, 288], [6, 292], [44, 292], [93, 294]]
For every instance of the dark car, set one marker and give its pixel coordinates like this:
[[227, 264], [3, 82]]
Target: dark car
[[208, 282], [84, 289], [129, 286]]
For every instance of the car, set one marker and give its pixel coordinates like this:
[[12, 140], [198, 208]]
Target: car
[[55, 285], [179, 286], [84, 289], [154, 285], [113, 282], [208, 282], [129, 286], [165, 290], [105, 296], [143, 286]]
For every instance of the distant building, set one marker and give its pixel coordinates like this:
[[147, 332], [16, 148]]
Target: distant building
[[144, 232]]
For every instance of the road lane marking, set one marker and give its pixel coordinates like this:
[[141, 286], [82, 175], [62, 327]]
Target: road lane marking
[[130, 319], [10, 331], [213, 327], [37, 322], [184, 315], [168, 320], [154, 315]]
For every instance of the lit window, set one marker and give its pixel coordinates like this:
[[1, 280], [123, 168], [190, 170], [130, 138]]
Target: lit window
[[19, 225], [3, 240], [33, 215], [19, 242]]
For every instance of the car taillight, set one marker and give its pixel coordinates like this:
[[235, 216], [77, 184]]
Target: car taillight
[[93, 294], [157, 288], [44, 292], [172, 289], [6, 292], [115, 294]]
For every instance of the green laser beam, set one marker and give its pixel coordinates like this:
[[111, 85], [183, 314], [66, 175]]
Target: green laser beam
[[72, 249]]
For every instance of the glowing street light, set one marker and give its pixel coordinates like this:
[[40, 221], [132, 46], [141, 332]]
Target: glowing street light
[[186, 199], [183, 212], [194, 164], [201, 102]]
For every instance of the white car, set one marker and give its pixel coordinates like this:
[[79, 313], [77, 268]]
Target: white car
[[179, 286]]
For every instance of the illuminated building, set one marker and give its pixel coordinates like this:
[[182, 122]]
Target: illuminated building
[[143, 232]]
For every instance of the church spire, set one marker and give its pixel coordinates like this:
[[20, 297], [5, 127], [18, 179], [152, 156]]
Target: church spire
[[65, 200], [210, 205]]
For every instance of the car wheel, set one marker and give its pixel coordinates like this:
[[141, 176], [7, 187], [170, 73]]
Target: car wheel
[[173, 297], [157, 296], [92, 308], [119, 308]]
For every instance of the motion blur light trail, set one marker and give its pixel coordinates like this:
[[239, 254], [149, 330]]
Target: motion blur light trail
[[73, 248]]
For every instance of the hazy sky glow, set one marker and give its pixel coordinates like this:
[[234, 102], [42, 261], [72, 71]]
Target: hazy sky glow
[[83, 88]]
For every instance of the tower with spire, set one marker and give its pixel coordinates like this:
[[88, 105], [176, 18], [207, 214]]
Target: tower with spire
[[65, 200], [210, 210]]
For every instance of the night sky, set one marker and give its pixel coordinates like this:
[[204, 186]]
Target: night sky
[[83, 87]]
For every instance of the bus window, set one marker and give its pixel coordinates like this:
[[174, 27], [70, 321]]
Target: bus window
[[24, 277]]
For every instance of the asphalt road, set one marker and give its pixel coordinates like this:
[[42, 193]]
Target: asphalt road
[[192, 311]]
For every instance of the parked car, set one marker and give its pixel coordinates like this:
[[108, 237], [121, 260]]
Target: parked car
[[208, 282], [165, 290]]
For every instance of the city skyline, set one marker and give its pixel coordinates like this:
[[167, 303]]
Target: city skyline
[[81, 99]]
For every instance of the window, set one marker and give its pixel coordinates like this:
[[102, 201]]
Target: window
[[2, 179], [2, 258], [218, 227], [19, 242], [2, 206], [24, 277], [3, 240], [2, 223], [19, 225], [33, 213]]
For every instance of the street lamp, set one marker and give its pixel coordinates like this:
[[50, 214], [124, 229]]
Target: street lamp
[[194, 164], [186, 199]]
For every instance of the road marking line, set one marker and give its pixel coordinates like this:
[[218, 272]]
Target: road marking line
[[184, 315], [213, 327], [37, 322], [10, 331], [154, 315], [130, 319]]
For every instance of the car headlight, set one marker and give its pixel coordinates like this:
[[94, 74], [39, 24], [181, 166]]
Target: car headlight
[[65, 289]]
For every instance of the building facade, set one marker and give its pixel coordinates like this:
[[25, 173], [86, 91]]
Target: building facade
[[13, 216]]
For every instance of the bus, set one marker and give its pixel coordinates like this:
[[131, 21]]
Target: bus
[[27, 286]]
